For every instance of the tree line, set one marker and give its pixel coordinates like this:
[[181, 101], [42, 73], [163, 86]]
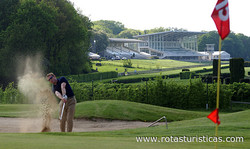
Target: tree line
[[237, 45], [52, 28]]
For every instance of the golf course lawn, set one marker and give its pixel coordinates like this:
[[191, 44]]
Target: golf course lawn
[[232, 125]]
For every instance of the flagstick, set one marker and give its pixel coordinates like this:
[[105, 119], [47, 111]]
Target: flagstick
[[218, 79], [218, 88]]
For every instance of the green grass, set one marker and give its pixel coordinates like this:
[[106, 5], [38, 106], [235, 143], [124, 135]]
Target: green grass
[[17, 110], [124, 110], [110, 109], [140, 65], [232, 124]]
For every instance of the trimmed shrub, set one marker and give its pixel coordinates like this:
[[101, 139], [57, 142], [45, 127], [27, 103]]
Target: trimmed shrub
[[185, 69], [215, 67], [237, 70]]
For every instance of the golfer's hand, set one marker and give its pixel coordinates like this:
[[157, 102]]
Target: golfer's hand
[[65, 97], [63, 100]]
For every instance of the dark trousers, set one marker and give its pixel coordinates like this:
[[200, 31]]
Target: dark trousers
[[68, 114]]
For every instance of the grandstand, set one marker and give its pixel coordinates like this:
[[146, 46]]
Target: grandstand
[[178, 45], [124, 48]]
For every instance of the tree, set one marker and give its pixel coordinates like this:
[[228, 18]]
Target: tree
[[104, 29], [129, 33], [156, 30], [53, 28], [114, 26], [162, 29], [237, 45], [7, 9], [209, 38], [101, 42], [246, 44], [233, 45]]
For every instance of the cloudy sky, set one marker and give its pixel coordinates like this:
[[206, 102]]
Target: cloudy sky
[[193, 15]]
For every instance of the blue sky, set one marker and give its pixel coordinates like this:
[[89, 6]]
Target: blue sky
[[193, 15]]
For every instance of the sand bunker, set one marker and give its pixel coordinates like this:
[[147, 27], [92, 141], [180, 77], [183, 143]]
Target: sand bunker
[[33, 125]]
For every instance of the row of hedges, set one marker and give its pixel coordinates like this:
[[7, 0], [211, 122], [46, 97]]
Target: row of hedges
[[166, 93], [93, 76], [237, 70], [159, 92], [182, 75]]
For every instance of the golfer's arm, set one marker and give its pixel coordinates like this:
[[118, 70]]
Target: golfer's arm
[[59, 95], [63, 88]]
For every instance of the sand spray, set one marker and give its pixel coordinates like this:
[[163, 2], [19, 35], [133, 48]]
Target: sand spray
[[33, 85]]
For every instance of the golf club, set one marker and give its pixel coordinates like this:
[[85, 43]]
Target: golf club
[[60, 118]]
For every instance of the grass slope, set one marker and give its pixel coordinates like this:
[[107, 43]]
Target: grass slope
[[124, 110], [17, 110], [109, 109]]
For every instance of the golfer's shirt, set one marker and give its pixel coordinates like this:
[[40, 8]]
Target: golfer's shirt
[[57, 87]]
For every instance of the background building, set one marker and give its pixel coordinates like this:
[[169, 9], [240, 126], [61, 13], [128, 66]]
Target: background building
[[180, 45]]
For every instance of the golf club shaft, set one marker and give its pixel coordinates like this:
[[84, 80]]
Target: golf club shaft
[[62, 111]]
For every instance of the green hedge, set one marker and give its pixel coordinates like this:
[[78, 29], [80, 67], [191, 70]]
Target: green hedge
[[93, 76], [11, 95], [139, 79], [158, 92], [237, 70], [167, 93], [215, 67]]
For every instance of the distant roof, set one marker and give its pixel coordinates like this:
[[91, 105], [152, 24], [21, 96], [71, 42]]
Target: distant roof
[[123, 40], [174, 34], [215, 53], [222, 53], [182, 52]]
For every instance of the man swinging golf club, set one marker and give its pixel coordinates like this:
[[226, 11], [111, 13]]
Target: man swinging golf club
[[64, 92]]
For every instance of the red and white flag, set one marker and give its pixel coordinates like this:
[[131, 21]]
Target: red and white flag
[[214, 116], [220, 16]]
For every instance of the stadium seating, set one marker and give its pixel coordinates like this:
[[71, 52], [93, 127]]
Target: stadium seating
[[124, 52]]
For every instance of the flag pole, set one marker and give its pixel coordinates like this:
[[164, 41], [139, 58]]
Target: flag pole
[[218, 75], [218, 88], [220, 16]]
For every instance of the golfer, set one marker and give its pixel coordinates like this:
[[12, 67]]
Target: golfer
[[64, 92]]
